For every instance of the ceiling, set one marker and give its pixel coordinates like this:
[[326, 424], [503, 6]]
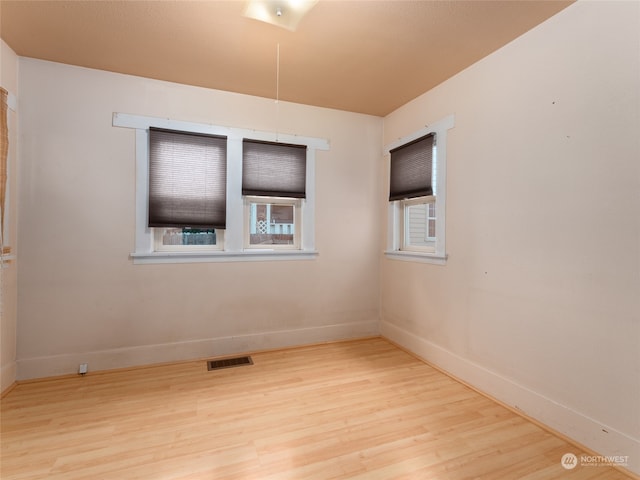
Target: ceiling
[[355, 55]]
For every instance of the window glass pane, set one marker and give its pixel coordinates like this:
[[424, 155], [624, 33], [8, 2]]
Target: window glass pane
[[420, 225], [271, 224], [431, 218], [188, 236], [432, 228]]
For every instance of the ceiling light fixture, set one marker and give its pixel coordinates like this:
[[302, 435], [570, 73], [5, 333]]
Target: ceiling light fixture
[[281, 13]]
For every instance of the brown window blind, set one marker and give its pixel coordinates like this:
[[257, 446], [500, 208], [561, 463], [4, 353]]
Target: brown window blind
[[187, 179], [411, 169], [273, 169]]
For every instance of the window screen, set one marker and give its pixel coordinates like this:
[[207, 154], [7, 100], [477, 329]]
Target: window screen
[[187, 179], [273, 169], [411, 169]]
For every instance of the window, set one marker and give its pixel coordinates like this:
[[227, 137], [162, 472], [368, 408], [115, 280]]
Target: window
[[272, 223], [416, 225], [223, 225], [411, 182], [187, 189], [8, 107], [274, 184]]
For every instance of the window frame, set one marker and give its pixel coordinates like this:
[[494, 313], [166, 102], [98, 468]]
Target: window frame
[[7, 253], [396, 209], [234, 248]]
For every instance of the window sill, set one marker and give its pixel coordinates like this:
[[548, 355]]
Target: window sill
[[220, 256], [418, 257]]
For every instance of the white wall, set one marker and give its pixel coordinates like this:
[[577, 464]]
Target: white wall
[[8, 272], [82, 300], [539, 303]]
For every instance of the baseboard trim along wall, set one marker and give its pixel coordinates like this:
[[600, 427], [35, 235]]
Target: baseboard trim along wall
[[7, 377], [65, 364], [584, 430]]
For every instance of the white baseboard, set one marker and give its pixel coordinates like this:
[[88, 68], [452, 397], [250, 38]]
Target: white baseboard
[[589, 432], [65, 364], [7, 376]]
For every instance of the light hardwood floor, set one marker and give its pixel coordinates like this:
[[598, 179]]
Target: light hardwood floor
[[353, 410]]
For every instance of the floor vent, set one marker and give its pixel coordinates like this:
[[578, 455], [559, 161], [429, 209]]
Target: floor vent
[[228, 363]]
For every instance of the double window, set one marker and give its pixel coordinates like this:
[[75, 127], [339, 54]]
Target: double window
[[417, 168], [207, 193]]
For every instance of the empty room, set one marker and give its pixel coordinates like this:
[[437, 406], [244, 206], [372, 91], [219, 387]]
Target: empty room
[[320, 239]]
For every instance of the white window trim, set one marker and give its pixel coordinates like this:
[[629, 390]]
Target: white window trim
[[395, 209], [234, 234]]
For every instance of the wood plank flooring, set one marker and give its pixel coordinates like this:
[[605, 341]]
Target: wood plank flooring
[[352, 410]]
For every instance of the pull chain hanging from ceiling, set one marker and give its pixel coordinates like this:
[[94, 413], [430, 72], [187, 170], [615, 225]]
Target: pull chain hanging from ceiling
[[277, 90]]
